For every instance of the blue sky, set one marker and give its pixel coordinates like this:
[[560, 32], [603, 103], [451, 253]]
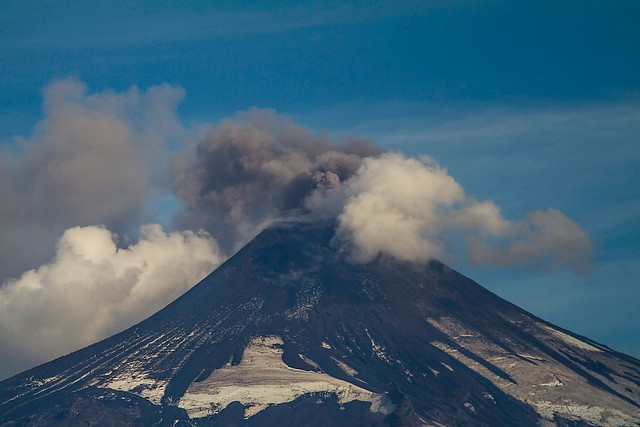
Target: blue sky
[[531, 104]]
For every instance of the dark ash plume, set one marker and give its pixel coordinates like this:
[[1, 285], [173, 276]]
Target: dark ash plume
[[256, 167]]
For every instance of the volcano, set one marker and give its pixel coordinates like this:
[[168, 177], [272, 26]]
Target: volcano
[[289, 332]]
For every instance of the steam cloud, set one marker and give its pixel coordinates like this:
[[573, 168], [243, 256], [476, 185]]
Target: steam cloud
[[413, 210], [92, 289]]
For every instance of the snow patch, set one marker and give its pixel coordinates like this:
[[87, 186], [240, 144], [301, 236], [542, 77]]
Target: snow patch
[[488, 396], [309, 361], [378, 349], [550, 387], [345, 368], [606, 417], [571, 340], [262, 379], [138, 383], [556, 382], [307, 297], [530, 357], [447, 366]]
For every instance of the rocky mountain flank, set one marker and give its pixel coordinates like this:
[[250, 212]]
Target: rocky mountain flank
[[289, 332]]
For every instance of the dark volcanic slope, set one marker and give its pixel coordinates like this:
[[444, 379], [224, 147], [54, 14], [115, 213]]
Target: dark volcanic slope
[[287, 332]]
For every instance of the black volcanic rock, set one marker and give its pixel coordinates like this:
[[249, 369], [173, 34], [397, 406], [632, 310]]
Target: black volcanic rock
[[288, 332]]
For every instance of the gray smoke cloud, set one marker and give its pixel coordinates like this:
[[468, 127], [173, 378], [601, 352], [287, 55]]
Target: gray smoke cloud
[[92, 159], [543, 239], [256, 167]]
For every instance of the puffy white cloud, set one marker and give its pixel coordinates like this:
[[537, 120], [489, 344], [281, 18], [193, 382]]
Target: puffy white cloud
[[92, 289], [413, 210], [394, 206]]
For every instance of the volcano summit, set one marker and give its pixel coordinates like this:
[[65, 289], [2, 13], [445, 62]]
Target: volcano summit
[[289, 332]]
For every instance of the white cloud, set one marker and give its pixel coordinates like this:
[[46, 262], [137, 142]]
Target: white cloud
[[413, 210], [92, 289], [393, 206]]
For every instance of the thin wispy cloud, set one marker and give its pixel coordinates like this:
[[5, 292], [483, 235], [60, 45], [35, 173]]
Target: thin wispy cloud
[[486, 144], [135, 27]]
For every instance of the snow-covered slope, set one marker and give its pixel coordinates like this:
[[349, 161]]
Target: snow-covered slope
[[288, 332]]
